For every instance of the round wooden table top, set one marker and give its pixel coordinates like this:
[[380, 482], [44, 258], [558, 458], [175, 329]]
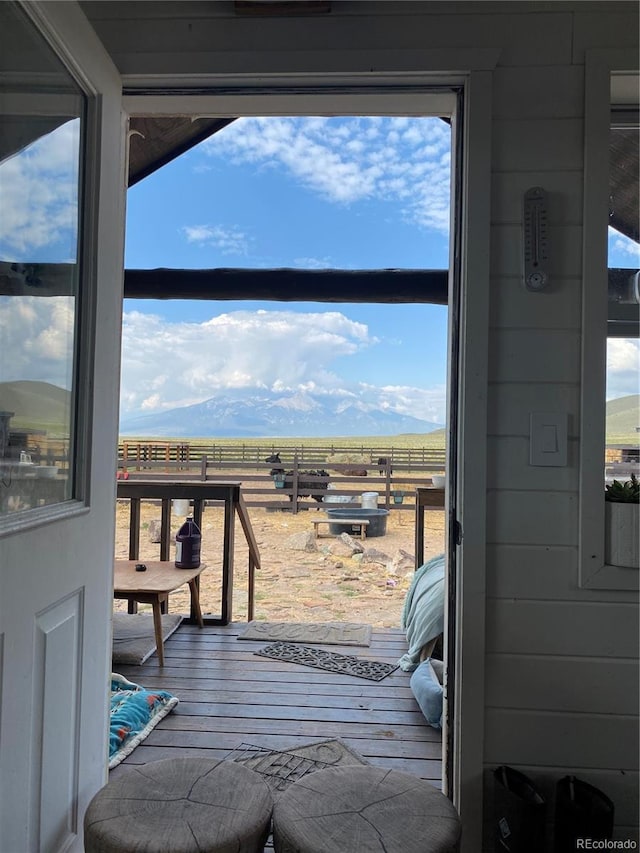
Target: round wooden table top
[[352, 809], [181, 804]]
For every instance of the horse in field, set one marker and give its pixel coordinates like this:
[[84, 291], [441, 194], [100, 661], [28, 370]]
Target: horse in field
[[314, 488], [382, 465]]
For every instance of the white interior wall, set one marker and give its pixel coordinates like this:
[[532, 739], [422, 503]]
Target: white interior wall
[[561, 662]]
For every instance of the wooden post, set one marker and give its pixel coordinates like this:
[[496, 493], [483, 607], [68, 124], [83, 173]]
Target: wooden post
[[226, 604], [251, 585], [294, 486], [387, 485], [165, 529], [134, 528]]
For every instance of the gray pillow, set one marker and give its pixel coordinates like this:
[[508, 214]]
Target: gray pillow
[[428, 692]]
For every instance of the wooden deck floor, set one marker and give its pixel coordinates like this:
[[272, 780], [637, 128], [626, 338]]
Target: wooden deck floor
[[229, 696]]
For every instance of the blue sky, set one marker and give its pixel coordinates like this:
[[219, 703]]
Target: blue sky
[[307, 193]]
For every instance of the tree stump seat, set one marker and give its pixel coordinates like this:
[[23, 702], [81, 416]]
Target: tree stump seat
[[191, 805], [358, 809]]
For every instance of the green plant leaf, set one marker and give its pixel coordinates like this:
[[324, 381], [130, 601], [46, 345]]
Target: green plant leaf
[[627, 492]]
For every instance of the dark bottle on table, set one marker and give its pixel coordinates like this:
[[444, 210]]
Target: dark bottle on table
[[188, 540]]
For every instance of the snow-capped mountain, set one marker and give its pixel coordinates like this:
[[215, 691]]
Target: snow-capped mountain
[[277, 415]]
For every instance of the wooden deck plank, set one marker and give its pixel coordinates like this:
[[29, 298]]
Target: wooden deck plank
[[291, 675], [216, 659], [202, 727], [226, 742], [298, 712], [229, 696], [195, 701], [428, 770], [247, 648], [197, 653], [191, 635], [302, 687]]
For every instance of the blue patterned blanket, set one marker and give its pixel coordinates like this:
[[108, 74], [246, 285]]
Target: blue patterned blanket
[[135, 711]]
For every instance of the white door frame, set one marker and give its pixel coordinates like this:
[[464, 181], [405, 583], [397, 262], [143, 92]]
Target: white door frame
[[471, 482], [403, 97]]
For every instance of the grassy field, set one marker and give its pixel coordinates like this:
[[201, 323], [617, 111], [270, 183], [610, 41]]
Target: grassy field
[[618, 432], [409, 441]]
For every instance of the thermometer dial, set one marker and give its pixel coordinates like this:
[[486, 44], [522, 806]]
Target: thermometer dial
[[536, 239]]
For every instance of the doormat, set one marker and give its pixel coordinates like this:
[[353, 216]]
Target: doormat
[[281, 768], [134, 639], [329, 633], [330, 661]]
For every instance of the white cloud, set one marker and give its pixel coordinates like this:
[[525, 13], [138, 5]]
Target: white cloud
[[229, 239], [351, 159], [190, 362], [313, 263], [36, 339], [166, 365], [623, 367], [39, 190], [622, 249], [427, 403], [169, 364]]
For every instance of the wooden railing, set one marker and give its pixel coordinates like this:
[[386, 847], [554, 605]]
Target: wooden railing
[[199, 493], [259, 488], [139, 453]]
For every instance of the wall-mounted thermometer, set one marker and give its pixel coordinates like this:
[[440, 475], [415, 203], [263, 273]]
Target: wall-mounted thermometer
[[536, 239]]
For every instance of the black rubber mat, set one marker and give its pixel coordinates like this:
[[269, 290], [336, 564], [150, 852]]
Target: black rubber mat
[[281, 768], [330, 661]]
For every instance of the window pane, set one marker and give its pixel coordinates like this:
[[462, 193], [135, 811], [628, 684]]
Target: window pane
[[623, 345], [41, 129]]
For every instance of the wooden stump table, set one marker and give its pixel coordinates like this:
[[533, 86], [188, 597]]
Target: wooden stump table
[[190, 805], [358, 809]]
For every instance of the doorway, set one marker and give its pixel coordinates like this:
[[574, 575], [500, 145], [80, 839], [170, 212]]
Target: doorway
[[423, 102]]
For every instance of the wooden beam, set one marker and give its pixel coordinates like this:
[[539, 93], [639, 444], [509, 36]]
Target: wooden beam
[[278, 285], [290, 285], [281, 7]]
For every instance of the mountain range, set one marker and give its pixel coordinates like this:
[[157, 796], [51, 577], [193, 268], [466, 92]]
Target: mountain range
[[45, 406], [36, 405], [275, 415], [623, 415]]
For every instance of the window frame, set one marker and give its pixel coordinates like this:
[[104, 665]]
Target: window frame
[[593, 572], [85, 309]]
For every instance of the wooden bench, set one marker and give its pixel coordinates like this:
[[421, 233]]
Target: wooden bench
[[360, 522]]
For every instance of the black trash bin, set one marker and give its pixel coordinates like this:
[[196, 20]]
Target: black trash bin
[[582, 811], [519, 812]]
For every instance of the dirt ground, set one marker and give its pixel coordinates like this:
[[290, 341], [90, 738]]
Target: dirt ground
[[292, 585]]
